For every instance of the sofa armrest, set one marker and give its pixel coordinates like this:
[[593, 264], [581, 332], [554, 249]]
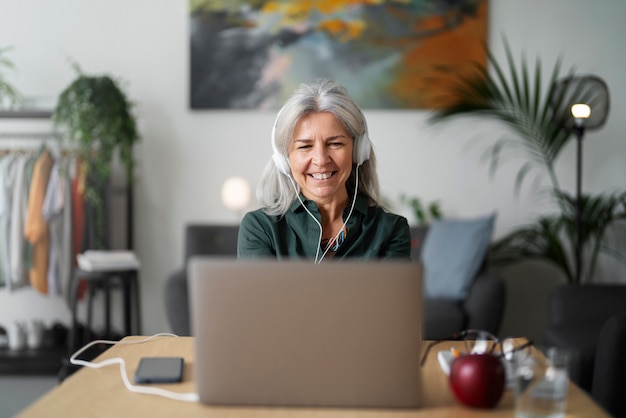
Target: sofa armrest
[[485, 303], [585, 304], [609, 373], [177, 303]]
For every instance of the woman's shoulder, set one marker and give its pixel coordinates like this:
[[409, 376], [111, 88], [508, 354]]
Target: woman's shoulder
[[386, 220], [386, 214], [259, 216]]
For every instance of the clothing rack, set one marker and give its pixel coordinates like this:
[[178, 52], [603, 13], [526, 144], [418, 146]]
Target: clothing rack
[[32, 135], [28, 151], [64, 149], [21, 140], [25, 114], [32, 141]]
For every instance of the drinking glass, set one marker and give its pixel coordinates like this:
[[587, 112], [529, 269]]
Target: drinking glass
[[541, 384]]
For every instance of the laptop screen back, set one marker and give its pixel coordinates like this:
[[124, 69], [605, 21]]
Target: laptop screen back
[[296, 334]]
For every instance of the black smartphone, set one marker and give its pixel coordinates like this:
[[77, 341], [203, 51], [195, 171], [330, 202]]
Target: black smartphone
[[159, 370]]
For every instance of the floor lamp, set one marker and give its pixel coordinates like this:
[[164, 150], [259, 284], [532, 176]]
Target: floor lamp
[[581, 103], [580, 113]]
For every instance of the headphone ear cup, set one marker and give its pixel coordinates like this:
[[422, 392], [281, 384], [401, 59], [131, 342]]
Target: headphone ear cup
[[281, 163], [363, 150]]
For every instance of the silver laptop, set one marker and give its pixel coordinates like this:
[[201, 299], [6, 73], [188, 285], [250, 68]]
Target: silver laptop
[[338, 334]]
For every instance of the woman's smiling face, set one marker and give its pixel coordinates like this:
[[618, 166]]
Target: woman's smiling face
[[320, 155]]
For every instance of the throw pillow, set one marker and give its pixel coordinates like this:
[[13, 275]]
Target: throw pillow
[[452, 254]]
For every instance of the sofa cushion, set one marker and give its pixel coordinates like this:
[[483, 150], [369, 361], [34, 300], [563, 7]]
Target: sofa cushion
[[444, 317], [452, 254]]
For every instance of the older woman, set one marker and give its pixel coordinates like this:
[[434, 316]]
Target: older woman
[[319, 192]]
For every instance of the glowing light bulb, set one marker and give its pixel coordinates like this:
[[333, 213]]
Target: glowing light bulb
[[581, 111], [236, 193]]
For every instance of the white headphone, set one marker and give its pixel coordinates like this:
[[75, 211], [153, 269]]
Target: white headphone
[[361, 153]]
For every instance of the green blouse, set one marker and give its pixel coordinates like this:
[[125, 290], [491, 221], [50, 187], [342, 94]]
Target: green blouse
[[372, 233]]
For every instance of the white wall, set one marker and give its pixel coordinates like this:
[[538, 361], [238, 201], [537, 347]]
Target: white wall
[[185, 155]]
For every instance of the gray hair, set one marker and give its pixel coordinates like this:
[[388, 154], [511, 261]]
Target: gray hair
[[276, 191]]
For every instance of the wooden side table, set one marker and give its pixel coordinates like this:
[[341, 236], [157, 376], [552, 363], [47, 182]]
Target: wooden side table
[[127, 280]]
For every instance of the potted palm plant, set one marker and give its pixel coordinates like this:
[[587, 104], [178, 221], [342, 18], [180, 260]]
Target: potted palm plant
[[515, 95], [96, 115]]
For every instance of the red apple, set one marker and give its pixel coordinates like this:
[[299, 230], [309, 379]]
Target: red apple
[[477, 380]]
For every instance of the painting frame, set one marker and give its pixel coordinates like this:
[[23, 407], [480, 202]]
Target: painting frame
[[390, 54]]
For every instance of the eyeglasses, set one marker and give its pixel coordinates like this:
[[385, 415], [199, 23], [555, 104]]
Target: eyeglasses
[[478, 341]]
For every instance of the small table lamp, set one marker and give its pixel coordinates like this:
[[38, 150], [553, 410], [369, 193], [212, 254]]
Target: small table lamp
[[236, 194]]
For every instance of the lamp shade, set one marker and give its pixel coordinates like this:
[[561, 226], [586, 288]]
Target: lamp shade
[[580, 91], [236, 193]]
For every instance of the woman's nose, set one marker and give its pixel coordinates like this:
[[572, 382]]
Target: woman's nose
[[320, 155]]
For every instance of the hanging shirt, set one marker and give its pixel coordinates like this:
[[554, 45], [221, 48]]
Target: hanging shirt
[[53, 214], [28, 247], [17, 241], [6, 181], [36, 229]]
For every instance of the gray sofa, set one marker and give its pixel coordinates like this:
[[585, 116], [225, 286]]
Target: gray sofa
[[609, 371], [481, 310], [589, 320]]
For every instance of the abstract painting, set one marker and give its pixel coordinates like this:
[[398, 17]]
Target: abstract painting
[[389, 54]]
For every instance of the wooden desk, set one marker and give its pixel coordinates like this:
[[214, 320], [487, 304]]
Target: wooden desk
[[101, 393]]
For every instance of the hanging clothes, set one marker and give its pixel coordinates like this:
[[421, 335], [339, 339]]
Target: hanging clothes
[[45, 220], [52, 212], [55, 208], [28, 247], [17, 241], [36, 229], [6, 181]]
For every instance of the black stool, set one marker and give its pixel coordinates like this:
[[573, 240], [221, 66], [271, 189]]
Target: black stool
[[127, 280]]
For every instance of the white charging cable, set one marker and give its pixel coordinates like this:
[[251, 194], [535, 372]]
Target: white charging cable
[[188, 396]]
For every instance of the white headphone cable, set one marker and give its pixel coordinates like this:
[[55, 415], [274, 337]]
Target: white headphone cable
[[310, 214], [188, 397], [356, 188]]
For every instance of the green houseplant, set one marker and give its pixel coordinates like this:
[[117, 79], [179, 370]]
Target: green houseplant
[[424, 213], [9, 95], [96, 115], [517, 95]]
